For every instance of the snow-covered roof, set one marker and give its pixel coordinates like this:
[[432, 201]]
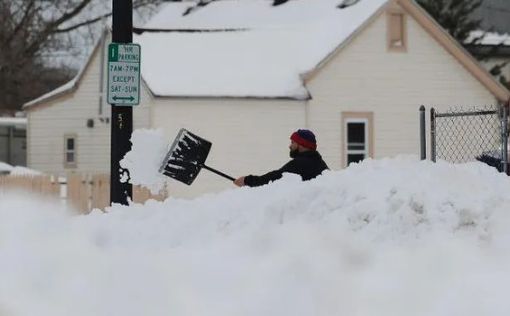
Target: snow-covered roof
[[239, 48], [13, 121], [244, 48], [489, 38], [62, 89]]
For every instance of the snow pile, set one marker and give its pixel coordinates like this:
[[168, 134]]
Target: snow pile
[[148, 148], [388, 237], [24, 171], [5, 168]]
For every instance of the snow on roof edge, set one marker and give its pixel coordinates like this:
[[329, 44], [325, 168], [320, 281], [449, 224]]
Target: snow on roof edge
[[9, 121], [54, 93], [300, 97]]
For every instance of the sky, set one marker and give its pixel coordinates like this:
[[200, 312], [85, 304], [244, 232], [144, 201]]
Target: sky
[[80, 42], [395, 236]]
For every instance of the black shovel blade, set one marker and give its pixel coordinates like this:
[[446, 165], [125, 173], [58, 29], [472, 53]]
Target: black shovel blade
[[186, 157]]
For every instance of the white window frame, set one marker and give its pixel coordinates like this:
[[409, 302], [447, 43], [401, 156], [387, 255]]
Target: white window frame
[[347, 151], [74, 151]]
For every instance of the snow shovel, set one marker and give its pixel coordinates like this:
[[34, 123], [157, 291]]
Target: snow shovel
[[186, 158]]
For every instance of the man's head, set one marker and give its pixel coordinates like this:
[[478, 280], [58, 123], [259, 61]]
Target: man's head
[[302, 140]]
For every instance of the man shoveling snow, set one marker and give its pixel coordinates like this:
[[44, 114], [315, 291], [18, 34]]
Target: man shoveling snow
[[188, 154], [306, 161]]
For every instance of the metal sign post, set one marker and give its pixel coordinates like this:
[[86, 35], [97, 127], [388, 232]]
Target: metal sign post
[[122, 116]]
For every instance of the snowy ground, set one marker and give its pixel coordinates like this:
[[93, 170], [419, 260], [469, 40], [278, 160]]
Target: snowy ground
[[387, 237]]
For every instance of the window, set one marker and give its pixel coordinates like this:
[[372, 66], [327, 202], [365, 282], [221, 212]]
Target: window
[[397, 40], [357, 139], [70, 151]]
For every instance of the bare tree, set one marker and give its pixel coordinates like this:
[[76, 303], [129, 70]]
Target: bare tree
[[455, 16], [31, 30], [458, 18]]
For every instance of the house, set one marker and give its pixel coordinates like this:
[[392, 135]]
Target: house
[[13, 144], [245, 74]]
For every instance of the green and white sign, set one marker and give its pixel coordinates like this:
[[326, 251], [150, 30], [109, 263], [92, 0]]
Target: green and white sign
[[124, 74]]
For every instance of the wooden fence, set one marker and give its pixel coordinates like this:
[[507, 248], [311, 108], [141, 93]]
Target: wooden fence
[[82, 192]]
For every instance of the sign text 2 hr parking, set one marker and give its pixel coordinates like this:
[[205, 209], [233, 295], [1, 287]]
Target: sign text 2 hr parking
[[123, 74]]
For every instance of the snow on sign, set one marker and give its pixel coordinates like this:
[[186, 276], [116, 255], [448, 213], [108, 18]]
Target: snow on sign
[[123, 74]]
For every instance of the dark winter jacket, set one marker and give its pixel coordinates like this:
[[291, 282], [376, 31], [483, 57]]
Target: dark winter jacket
[[307, 164]]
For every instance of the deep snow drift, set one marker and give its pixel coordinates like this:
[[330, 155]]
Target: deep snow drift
[[388, 237]]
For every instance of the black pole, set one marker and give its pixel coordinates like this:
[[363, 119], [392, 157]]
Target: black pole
[[10, 138], [433, 135], [504, 138], [423, 138], [219, 173], [122, 116]]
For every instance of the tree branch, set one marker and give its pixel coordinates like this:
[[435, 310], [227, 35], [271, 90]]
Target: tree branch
[[136, 5], [27, 15], [87, 22], [51, 27]]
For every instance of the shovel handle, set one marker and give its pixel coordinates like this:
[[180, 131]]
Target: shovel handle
[[218, 172]]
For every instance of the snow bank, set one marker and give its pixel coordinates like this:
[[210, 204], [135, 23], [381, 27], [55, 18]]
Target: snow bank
[[5, 167], [148, 148], [17, 170], [387, 237], [24, 171]]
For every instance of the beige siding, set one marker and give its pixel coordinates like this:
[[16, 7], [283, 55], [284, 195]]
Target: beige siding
[[50, 121], [365, 77], [248, 136]]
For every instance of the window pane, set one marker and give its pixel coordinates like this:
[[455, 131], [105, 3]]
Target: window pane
[[354, 158], [3, 151], [355, 133], [356, 146], [70, 157], [396, 27], [19, 133], [70, 144]]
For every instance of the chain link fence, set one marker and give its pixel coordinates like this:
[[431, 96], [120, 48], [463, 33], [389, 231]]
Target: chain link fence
[[467, 134]]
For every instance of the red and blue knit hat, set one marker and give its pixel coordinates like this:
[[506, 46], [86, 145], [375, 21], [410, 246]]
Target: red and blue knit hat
[[305, 138]]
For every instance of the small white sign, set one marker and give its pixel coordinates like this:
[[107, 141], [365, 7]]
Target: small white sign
[[124, 74]]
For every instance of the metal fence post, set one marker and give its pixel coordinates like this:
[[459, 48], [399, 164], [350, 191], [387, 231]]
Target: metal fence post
[[504, 138], [10, 141], [433, 134], [423, 138]]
